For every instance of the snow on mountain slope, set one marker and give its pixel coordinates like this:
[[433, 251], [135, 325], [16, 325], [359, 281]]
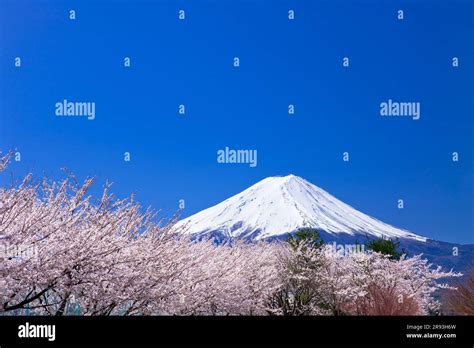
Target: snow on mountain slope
[[279, 205]]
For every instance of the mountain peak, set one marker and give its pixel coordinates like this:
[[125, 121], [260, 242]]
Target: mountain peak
[[278, 205], [289, 176], [280, 178]]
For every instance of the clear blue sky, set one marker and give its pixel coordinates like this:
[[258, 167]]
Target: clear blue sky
[[282, 62]]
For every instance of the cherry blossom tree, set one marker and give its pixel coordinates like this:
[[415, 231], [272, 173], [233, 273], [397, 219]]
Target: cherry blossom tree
[[64, 252], [322, 281]]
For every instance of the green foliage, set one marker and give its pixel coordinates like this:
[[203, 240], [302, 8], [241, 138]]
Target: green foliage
[[307, 235], [387, 247]]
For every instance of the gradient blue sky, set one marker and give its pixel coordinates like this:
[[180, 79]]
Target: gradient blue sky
[[282, 62]]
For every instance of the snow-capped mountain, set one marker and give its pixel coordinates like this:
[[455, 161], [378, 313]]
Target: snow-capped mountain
[[280, 205]]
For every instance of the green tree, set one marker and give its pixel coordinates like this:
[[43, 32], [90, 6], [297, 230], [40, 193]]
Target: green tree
[[307, 235], [386, 246]]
